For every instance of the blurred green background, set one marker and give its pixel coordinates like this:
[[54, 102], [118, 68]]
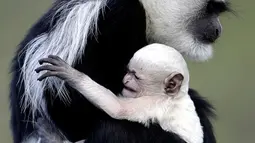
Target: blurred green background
[[227, 80]]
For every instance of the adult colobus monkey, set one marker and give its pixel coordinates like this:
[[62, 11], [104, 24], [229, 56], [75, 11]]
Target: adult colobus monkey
[[98, 37]]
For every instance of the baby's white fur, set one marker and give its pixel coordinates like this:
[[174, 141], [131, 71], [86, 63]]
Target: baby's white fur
[[155, 58], [174, 114], [177, 115], [184, 119]]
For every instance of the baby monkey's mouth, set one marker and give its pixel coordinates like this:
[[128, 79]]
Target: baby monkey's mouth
[[129, 88]]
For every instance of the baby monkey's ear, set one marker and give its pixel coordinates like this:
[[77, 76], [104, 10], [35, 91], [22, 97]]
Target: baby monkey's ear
[[173, 83]]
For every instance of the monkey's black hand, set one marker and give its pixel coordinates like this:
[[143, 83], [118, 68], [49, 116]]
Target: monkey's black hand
[[57, 67]]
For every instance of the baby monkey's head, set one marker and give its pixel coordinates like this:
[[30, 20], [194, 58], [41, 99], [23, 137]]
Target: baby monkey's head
[[156, 69]]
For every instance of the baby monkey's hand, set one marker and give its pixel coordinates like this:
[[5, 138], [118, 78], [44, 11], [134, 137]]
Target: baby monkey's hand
[[57, 67]]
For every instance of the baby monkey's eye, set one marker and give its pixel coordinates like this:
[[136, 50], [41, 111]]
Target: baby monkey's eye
[[137, 77], [132, 72]]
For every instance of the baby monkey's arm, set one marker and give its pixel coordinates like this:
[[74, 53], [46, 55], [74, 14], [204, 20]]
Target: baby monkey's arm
[[133, 109]]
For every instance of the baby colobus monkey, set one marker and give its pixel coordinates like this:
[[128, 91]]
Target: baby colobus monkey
[[156, 90]]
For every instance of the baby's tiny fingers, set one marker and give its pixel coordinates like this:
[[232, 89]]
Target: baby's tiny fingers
[[47, 67], [55, 57], [60, 61], [48, 60]]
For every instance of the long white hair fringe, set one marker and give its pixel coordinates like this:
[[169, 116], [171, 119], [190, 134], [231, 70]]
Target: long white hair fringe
[[78, 19]]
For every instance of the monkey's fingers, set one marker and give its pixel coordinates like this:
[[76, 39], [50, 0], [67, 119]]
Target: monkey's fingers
[[57, 58], [49, 60], [47, 74], [47, 67]]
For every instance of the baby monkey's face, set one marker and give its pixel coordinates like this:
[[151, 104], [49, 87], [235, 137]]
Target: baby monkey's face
[[132, 84], [155, 70], [140, 80], [148, 78]]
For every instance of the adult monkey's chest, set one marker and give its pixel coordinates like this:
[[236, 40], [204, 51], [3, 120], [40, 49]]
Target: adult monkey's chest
[[121, 33], [123, 131]]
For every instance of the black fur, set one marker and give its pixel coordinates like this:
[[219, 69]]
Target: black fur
[[122, 32], [217, 7]]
